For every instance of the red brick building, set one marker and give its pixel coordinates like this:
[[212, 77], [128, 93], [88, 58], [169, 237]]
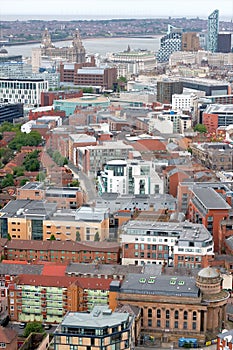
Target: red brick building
[[62, 251], [48, 97], [207, 207]]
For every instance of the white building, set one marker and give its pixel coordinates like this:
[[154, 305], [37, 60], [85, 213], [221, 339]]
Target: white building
[[48, 120], [26, 91], [169, 122], [133, 62], [130, 177], [184, 102]]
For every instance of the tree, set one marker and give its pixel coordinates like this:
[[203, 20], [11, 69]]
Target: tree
[[23, 181], [200, 128], [97, 237], [78, 237], [7, 181], [41, 176], [52, 238], [8, 237], [75, 183], [18, 171], [33, 327]]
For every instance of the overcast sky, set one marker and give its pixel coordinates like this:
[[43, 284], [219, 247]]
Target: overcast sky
[[116, 8]]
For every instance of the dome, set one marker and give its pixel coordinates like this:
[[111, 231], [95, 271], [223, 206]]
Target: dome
[[208, 272], [3, 51]]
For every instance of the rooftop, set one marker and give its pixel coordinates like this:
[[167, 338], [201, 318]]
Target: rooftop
[[160, 285], [210, 199], [100, 316]]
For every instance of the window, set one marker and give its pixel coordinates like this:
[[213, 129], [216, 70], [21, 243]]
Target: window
[[176, 315], [194, 325], [149, 312], [185, 325], [2, 345], [158, 323], [149, 323], [194, 315], [167, 324], [185, 315], [158, 313], [167, 314], [176, 324]]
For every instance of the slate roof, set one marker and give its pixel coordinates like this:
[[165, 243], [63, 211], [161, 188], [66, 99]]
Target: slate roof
[[17, 269], [181, 286], [210, 198]]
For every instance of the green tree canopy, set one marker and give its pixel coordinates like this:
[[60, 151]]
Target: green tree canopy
[[78, 237], [200, 128], [7, 181], [22, 139], [33, 327], [52, 238]]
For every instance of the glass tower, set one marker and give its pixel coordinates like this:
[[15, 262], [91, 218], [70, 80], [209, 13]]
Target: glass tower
[[213, 25]]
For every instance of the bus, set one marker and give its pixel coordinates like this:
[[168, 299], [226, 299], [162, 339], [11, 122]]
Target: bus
[[188, 342]]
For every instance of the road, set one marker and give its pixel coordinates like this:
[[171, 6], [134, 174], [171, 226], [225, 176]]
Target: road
[[86, 182]]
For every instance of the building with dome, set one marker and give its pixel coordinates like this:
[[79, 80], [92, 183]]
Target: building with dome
[[174, 306], [75, 53]]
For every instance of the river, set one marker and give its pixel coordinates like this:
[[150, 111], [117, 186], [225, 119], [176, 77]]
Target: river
[[96, 45]]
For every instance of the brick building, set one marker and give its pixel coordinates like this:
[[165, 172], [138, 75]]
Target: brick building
[[62, 251], [175, 306], [48, 97], [8, 338], [208, 207]]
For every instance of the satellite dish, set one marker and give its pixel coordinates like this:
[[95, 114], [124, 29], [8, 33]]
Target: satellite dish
[[228, 337]]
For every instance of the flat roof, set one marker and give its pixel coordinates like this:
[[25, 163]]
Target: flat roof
[[219, 108], [100, 316]]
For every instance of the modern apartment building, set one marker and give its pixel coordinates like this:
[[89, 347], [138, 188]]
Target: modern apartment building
[[129, 177], [190, 41], [95, 330], [209, 208], [42, 298], [175, 244], [170, 43], [26, 91], [92, 158], [39, 220]]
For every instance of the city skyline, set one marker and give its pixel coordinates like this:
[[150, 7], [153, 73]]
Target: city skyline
[[114, 9]]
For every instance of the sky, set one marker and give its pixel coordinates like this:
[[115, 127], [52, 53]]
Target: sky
[[116, 8]]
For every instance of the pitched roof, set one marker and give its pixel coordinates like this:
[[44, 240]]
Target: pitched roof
[[94, 283], [62, 245], [54, 270], [45, 281], [7, 335]]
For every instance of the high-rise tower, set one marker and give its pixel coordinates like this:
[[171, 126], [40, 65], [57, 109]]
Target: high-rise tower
[[213, 26], [170, 43]]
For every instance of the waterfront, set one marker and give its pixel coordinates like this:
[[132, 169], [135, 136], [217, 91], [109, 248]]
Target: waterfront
[[96, 45]]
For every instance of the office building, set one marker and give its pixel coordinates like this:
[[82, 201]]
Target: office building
[[26, 91], [166, 88], [95, 330], [74, 53], [217, 115], [190, 41], [213, 28], [210, 87], [133, 62], [224, 42], [169, 43], [10, 112]]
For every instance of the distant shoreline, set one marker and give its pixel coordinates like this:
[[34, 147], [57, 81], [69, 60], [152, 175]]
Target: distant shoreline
[[21, 43]]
